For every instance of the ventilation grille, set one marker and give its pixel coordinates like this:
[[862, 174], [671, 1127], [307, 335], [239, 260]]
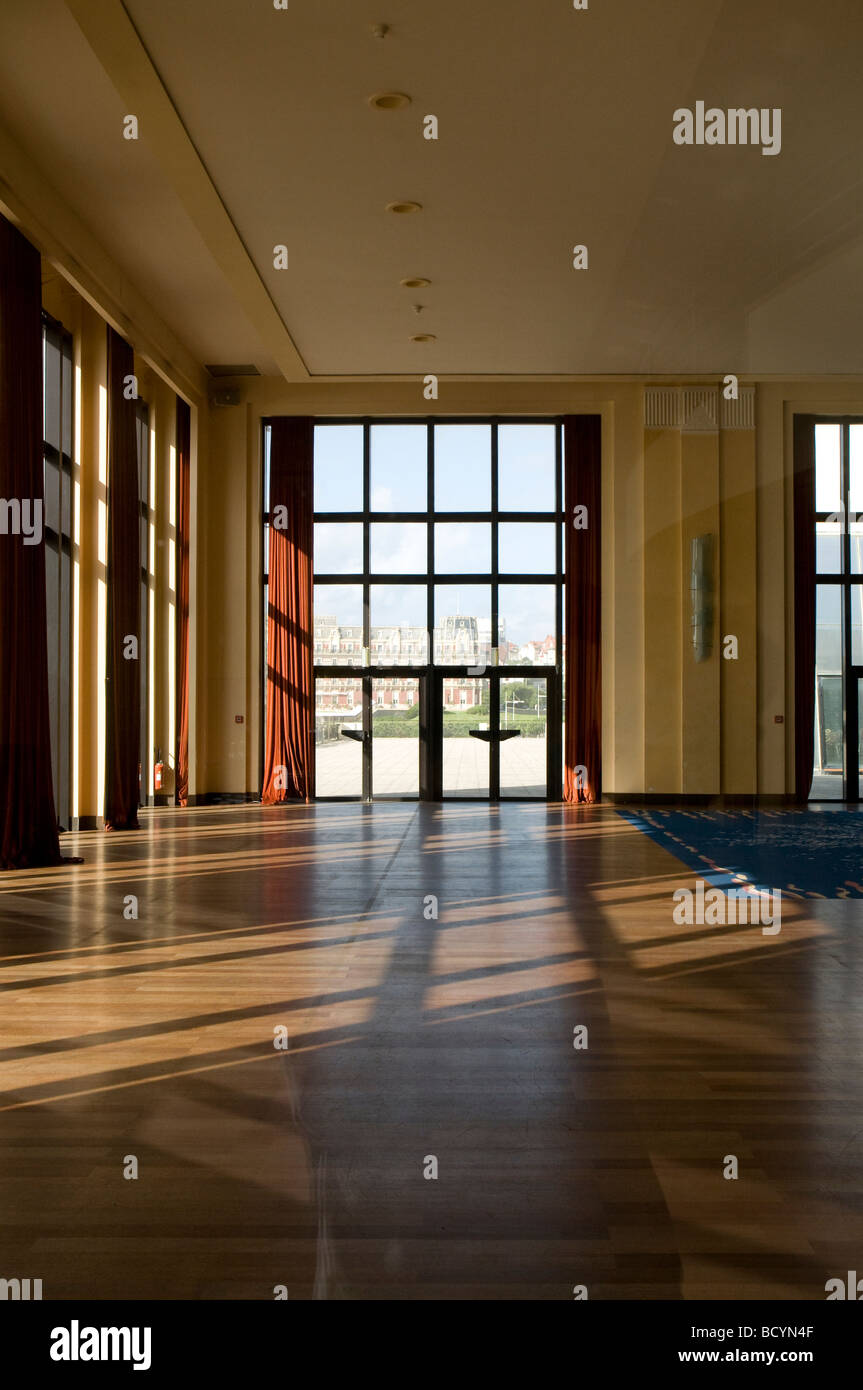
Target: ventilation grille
[[739, 414], [698, 409], [662, 407], [231, 369]]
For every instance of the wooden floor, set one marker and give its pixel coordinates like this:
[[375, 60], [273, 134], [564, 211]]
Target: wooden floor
[[411, 1037]]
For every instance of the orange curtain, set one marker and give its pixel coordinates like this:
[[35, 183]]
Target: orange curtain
[[582, 737], [183, 528], [289, 749], [123, 683], [28, 821], [804, 605]]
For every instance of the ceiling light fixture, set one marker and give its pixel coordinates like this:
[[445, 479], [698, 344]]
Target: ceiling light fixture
[[424, 338], [418, 282], [404, 207], [389, 101]]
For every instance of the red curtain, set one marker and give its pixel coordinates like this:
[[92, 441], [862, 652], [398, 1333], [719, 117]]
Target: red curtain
[[804, 605], [123, 675], [582, 738], [28, 821], [183, 526], [289, 749]]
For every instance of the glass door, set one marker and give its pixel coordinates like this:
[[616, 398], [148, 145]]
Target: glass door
[[339, 737], [493, 736], [464, 756], [523, 724], [395, 740]]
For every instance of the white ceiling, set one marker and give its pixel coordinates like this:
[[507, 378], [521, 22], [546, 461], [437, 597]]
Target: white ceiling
[[555, 128]]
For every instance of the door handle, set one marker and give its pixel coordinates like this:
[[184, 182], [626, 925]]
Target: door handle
[[488, 736], [355, 734]]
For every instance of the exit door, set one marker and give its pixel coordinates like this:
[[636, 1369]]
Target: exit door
[[496, 736]]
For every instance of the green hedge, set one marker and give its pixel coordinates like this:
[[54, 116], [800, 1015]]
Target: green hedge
[[455, 726]]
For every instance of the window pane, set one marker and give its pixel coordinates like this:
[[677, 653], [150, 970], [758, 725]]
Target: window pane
[[66, 392], [526, 624], [462, 468], [827, 781], [462, 635], [860, 737], [399, 618], [51, 392], [338, 624], [462, 547], [338, 468], [395, 736], [857, 624], [399, 460], [828, 497], [267, 438], [465, 763], [856, 547], [828, 547], [526, 468], [855, 463], [828, 629], [338, 760], [526, 547], [399, 547], [338, 547], [52, 496], [523, 706]]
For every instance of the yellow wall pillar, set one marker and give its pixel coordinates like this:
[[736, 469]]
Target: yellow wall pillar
[[662, 606], [699, 497], [737, 593]]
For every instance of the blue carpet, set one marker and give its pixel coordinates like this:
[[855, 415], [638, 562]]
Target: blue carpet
[[810, 854]]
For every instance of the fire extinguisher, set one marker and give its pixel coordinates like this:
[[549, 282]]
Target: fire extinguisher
[[157, 771]]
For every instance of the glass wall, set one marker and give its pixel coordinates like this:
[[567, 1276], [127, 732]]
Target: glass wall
[[447, 532], [838, 609], [437, 544], [57, 430]]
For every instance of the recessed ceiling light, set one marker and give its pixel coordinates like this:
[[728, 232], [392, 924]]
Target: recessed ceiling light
[[419, 282], [389, 101], [404, 207], [424, 338]]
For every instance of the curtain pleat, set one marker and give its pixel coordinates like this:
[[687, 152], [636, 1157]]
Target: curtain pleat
[[183, 529], [289, 747], [582, 739], [123, 688], [804, 605], [28, 821]]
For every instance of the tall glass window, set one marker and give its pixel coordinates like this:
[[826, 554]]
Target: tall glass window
[[438, 545], [838, 610], [58, 523], [147, 523]]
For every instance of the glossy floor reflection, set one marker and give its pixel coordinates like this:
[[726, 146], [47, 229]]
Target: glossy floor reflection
[[410, 1038]]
